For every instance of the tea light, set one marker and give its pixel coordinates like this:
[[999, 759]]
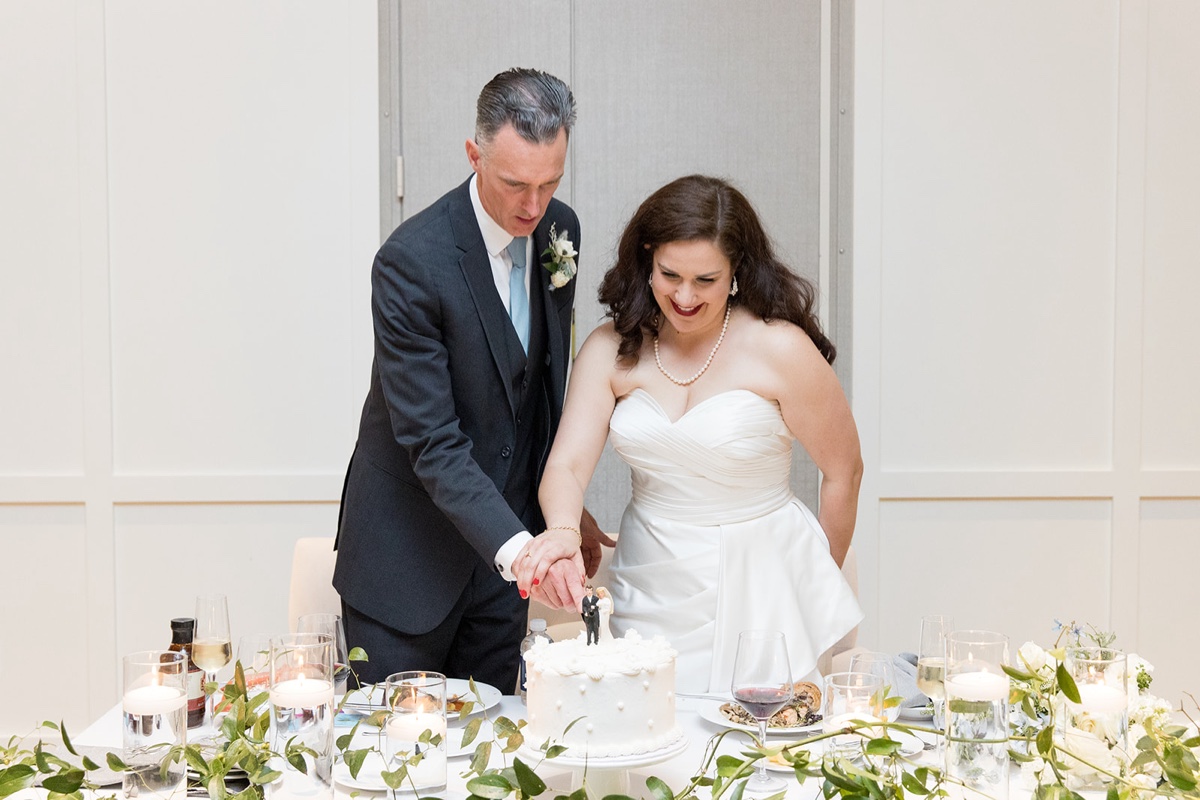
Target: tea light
[[850, 718], [977, 686], [146, 701], [409, 727], [302, 693], [1100, 698]]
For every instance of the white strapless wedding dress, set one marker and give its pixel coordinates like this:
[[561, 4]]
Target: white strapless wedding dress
[[714, 542]]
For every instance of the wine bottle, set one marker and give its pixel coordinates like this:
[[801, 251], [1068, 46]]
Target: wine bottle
[[182, 631]]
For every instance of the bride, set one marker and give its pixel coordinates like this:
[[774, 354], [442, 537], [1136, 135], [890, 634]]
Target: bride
[[711, 364]]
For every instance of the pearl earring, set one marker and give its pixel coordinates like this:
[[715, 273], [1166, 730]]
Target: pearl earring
[[650, 280], [733, 290]]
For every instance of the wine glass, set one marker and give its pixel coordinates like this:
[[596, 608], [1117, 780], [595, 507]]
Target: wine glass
[[762, 684], [211, 647], [254, 654], [330, 624], [879, 664], [931, 663]]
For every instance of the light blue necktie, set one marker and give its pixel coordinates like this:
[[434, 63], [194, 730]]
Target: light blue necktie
[[518, 298]]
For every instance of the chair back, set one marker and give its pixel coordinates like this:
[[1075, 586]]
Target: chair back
[[311, 587]]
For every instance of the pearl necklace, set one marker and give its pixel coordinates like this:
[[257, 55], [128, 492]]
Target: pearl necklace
[[694, 378]]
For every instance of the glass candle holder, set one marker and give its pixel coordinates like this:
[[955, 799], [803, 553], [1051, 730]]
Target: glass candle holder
[[414, 735], [302, 712], [977, 691], [154, 723], [849, 698], [1099, 723]]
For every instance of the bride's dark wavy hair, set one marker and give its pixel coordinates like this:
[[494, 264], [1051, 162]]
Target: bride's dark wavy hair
[[692, 208]]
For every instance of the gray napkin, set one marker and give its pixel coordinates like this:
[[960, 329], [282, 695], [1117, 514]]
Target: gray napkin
[[905, 665]]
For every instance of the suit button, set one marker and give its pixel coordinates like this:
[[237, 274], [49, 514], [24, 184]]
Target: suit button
[[525, 384], [506, 452]]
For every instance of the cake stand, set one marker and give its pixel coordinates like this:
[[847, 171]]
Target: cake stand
[[607, 774]]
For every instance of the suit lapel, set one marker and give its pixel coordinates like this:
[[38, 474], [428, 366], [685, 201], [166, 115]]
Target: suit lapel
[[539, 281], [477, 271]]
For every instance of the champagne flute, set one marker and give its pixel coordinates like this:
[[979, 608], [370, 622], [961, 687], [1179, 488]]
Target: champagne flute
[[931, 663], [211, 648], [762, 684], [330, 624], [879, 664]]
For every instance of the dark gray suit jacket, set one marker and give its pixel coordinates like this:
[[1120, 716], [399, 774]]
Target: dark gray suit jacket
[[423, 500]]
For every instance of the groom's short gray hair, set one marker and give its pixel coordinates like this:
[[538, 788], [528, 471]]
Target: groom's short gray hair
[[537, 105]]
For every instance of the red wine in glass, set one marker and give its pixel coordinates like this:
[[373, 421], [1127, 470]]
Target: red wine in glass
[[762, 701]]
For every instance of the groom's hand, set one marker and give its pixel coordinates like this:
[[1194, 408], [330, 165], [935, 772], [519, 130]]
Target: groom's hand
[[562, 587], [594, 540]]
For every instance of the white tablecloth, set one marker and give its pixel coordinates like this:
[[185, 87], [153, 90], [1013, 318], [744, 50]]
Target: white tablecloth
[[106, 732]]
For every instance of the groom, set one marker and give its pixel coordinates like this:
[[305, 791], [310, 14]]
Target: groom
[[467, 384]]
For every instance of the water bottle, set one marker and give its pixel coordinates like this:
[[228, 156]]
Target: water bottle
[[537, 630]]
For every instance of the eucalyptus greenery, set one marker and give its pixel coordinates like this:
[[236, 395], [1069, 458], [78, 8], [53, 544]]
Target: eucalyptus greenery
[[1168, 750]]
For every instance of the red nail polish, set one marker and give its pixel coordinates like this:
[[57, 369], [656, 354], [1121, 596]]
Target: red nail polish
[[536, 581], [524, 595]]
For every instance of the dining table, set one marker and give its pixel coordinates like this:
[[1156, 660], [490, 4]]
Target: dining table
[[696, 717]]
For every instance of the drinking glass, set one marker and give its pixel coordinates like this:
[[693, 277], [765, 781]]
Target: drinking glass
[[254, 654], [849, 698], [762, 684], [977, 691], [416, 726], [880, 665], [302, 714], [211, 647], [931, 664], [1102, 712], [330, 624], [154, 722]]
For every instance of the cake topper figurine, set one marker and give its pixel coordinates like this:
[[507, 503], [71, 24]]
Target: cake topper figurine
[[590, 611], [596, 608]]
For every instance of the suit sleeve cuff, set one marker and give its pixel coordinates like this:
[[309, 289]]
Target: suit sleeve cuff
[[508, 553]]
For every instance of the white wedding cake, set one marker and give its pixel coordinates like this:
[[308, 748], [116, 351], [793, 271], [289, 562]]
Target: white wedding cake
[[622, 691]]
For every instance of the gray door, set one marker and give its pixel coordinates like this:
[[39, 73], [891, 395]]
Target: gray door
[[664, 89]]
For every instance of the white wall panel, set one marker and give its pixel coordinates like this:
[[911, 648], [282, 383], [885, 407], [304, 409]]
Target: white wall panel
[[44, 638], [990, 565], [232, 240], [1169, 595], [1170, 428], [998, 198], [167, 554], [41, 398]]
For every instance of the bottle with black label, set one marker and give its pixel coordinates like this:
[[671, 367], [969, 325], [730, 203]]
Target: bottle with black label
[[182, 631]]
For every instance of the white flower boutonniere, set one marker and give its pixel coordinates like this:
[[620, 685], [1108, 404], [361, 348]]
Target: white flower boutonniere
[[559, 258]]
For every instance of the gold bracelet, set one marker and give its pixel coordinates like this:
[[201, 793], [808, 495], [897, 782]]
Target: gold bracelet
[[570, 528]]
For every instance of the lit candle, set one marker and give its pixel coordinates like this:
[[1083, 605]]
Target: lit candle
[[836, 723], [1100, 698], [977, 686], [301, 693], [403, 731], [154, 699]]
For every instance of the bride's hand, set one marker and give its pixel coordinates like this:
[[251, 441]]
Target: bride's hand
[[562, 587], [535, 559]]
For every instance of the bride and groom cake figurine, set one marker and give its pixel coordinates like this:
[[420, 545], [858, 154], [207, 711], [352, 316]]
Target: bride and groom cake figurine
[[596, 608]]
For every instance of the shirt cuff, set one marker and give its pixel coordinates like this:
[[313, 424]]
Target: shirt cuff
[[508, 553]]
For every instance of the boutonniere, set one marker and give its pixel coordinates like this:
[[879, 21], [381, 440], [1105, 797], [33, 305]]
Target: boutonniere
[[559, 258]]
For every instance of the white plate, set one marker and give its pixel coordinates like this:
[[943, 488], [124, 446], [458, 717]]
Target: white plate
[[711, 711], [370, 698], [610, 762], [909, 746], [369, 778], [916, 712]]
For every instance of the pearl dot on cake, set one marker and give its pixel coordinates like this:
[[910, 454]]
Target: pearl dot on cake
[[583, 688], [620, 705], [645, 684], [590, 728]]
